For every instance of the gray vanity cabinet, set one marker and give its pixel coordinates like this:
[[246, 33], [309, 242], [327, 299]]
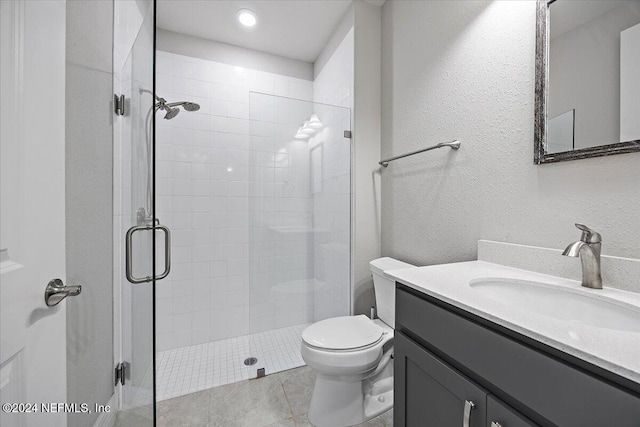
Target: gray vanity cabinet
[[445, 356], [432, 392], [501, 415]]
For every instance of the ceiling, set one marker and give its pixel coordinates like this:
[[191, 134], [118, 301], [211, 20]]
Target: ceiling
[[567, 15], [297, 29]]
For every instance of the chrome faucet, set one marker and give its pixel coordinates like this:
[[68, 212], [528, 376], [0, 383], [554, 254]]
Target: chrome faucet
[[588, 249]]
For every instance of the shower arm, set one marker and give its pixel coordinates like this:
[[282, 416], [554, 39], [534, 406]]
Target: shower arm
[[161, 102]]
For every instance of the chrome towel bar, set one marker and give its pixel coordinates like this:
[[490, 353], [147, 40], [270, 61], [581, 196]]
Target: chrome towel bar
[[453, 144]]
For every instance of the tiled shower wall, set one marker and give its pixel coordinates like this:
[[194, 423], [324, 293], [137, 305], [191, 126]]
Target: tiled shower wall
[[332, 204], [214, 180]]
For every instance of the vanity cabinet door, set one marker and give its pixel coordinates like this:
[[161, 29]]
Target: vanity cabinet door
[[501, 415], [429, 393]]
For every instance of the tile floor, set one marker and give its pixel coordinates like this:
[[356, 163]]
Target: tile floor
[[137, 417], [278, 400], [186, 370]]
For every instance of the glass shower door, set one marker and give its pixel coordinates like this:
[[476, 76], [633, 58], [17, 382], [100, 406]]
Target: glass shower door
[[134, 207], [299, 224]]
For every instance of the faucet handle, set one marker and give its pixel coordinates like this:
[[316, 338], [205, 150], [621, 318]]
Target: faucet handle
[[589, 235]]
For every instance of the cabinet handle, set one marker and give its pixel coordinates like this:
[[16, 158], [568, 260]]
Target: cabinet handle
[[495, 424], [468, 406]]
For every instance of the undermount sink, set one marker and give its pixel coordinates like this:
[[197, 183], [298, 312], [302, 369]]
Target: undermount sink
[[561, 303]]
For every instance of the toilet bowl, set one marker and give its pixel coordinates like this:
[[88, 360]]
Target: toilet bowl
[[353, 358]]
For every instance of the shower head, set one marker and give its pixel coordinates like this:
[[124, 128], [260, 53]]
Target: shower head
[[188, 106], [172, 107], [171, 113], [191, 106]]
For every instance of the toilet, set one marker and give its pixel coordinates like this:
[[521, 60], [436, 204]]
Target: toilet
[[353, 358]]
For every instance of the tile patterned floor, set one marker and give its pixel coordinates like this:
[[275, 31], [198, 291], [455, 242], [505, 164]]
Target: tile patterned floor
[[186, 370], [278, 400]]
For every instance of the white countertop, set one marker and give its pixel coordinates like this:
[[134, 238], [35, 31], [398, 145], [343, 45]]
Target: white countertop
[[613, 350]]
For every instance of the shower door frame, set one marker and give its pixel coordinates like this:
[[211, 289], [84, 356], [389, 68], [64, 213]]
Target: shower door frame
[[129, 135]]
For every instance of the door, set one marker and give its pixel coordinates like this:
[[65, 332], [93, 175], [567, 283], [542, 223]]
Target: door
[[32, 217], [134, 210], [430, 393]]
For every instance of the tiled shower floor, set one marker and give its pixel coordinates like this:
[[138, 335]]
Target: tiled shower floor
[[198, 367]]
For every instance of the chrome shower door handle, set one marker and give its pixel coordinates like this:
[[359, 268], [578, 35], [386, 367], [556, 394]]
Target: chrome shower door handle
[[167, 250], [129, 253], [466, 415]]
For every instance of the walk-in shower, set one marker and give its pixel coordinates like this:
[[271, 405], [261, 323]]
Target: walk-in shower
[[258, 202]]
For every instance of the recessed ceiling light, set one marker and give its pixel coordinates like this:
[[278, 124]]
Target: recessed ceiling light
[[247, 17]]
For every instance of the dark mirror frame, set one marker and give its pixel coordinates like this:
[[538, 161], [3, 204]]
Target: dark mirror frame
[[541, 95]]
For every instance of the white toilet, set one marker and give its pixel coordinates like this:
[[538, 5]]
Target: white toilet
[[353, 358]]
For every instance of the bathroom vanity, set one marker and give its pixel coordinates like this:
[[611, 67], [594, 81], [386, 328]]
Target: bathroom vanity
[[465, 357]]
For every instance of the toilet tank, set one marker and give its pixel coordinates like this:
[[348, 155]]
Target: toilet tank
[[385, 288]]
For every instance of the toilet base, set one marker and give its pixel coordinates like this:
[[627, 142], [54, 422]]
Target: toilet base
[[337, 402]]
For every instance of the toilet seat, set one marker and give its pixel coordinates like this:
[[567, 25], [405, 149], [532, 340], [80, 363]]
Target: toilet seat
[[349, 360], [346, 333]]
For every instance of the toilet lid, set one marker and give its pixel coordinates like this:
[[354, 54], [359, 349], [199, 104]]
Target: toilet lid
[[342, 333]]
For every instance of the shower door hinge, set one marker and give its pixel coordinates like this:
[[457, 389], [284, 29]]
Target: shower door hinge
[[121, 373], [118, 105], [347, 134]]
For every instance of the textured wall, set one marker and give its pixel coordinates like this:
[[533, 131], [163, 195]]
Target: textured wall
[[89, 208], [367, 132], [465, 70]]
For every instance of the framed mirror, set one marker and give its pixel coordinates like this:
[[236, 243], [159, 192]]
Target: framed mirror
[[587, 93]]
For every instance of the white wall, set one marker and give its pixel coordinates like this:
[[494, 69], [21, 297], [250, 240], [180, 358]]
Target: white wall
[[214, 174], [584, 74], [89, 204], [367, 132], [465, 70]]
